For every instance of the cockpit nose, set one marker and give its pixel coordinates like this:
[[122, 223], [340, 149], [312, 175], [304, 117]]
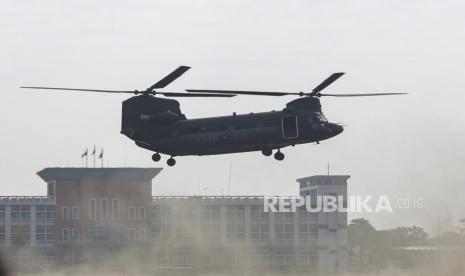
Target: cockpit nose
[[336, 129]]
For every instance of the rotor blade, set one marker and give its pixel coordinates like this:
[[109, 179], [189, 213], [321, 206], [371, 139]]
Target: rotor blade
[[326, 83], [78, 89], [176, 94], [239, 92], [360, 95], [169, 78]]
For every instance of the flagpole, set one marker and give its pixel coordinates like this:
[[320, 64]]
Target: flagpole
[[86, 155], [101, 157]]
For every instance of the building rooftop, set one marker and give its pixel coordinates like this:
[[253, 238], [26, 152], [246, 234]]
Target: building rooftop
[[323, 180], [51, 174]]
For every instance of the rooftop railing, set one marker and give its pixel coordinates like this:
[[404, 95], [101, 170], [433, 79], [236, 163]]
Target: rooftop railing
[[27, 199], [239, 198]]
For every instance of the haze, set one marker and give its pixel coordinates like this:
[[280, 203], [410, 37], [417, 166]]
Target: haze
[[404, 147]]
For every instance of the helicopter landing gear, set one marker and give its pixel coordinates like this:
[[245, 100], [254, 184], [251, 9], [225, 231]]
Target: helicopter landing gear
[[171, 162], [267, 152], [279, 155], [156, 157]]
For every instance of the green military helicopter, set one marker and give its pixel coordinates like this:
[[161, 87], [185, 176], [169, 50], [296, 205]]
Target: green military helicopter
[[157, 124]]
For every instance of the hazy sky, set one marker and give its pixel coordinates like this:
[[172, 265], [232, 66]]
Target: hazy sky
[[405, 147]]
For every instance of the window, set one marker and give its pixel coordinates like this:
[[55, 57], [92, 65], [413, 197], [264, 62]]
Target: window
[[45, 233], [20, 234], [2, 233], [103, 208], [141, 214], [75, 234], [92, 209], [210, 221], [20, 213], [65, 213], [162, 221], [289, 125], [104, 233], [115, 208], [45, 213], [75, 213], [284, 226], [321, 118], [132, 212], [259, 224], [2, 223], [65, 234], [142, 234], [235, 222], [132, 234]]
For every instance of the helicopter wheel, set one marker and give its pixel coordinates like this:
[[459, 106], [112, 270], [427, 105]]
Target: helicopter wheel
[[279, 155], [171, 162], [267, 152], [156, 157]]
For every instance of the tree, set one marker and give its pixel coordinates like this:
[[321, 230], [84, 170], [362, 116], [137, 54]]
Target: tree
[[362, 238], [360, 232], [461, 228]]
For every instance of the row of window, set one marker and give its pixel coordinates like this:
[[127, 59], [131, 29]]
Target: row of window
[[197, 259], [104, 208], [70, 234], [24, 212], [70, 213], [73, 213], [136, 212], [43, 232], [114, 209], [237, 231], [102, 233], [136, 234]]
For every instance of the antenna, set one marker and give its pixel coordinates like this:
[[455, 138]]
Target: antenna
[[125, 156], [229, 180], [439, 226], [328, 168]]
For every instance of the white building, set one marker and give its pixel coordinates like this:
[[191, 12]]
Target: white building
[[27, 228], [332, 226], [226, 232]]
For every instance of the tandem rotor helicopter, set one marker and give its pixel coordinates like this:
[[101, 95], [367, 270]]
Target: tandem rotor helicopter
[[157, 124]]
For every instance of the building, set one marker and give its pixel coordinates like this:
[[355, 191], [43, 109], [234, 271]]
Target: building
[[99, 209], [91, 213]]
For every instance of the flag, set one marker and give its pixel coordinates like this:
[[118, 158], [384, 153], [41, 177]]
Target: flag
[[84, 154], [93, 152], [101, 154]]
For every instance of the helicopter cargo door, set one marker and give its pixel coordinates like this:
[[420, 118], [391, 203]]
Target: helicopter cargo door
[[289, 127]]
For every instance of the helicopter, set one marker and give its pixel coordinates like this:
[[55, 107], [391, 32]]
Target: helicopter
[[157, 124]]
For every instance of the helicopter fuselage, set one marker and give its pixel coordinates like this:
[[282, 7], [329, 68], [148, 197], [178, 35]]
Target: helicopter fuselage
[[167, 131]]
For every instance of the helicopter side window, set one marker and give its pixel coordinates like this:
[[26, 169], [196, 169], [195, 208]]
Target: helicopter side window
[[289, 127]]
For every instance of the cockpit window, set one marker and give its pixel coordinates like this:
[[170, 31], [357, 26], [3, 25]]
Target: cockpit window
[[320, 118]]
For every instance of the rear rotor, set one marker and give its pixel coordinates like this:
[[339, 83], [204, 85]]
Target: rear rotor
[[316, 92]]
